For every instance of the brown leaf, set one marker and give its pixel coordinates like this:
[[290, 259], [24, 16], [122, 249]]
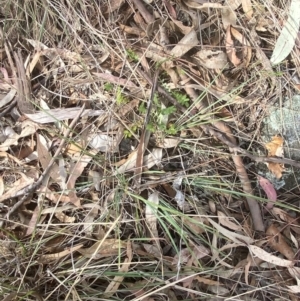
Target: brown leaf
[[278, 243], [247, 52], [247, 8], [51, 257], [33, 221], [275, 147], [103, 248], [45, 158], [230, 49], [262, 254], [212, 59], [228, 17], [276, 169], [270, 191]]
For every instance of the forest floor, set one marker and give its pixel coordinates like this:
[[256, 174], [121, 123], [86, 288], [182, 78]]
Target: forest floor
[[149, 150]]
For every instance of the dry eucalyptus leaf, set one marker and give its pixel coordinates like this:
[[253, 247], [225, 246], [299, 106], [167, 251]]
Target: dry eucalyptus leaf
[[212, 59], [230, 49], [288, 35], [151, 213], [228, 17], [275, 147], [226, 221], [262, 254], [106, 248], [185, 44], [270, 191], [278, 243]]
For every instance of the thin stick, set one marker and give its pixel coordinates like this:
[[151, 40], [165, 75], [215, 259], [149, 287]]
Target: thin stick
[[31, 188], [144, 136]]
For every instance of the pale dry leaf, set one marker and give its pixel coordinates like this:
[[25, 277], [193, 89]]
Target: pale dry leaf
[[294, 240], [64, 218], [248, 9], [127, 164], [295, 289], [218, 290], [233, 4], [225, 221], [288, 35], [33, 221], [230, 49], [185, 44], [228, 17], [103, 143], [55, 115], [168, 142], [8, 98], [207, 281], [28, 128], [54, 197], [212, 59], [17, 186], [151, 213], [197, 224], [262, 254], [45, 157], [96, 177], [237, 238], [154, 158], [193, 4], [153, 250], [1, 186], [270, 191], [106, 248], [294, 272], [117, 281], [182, 257], [278, 243], [51, 257], [77, 166]]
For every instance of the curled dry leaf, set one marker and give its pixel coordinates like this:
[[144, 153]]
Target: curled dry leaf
[[225, 221], [106, 248], [262, 254], [288, 35], [241, 240], [275, 148], [228, 17], [247, 8], [230, 49], [270, 191], [278, 243], [55, 256], [64, 218], [212, 59], [247, 51], [151, 213], [185, 44]]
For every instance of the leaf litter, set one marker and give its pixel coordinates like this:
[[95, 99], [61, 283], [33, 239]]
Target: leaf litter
[[134, 184]]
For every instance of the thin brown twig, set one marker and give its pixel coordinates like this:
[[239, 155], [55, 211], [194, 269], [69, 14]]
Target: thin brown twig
[[31, 188]]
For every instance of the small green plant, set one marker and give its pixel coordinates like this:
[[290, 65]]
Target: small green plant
[[132, 55], [108, 87], [120, 97], [181, 98]]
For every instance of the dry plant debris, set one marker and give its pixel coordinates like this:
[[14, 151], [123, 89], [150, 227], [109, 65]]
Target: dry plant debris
[[131, 150]]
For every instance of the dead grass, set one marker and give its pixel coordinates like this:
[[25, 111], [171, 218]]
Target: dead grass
[[93, 227]]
